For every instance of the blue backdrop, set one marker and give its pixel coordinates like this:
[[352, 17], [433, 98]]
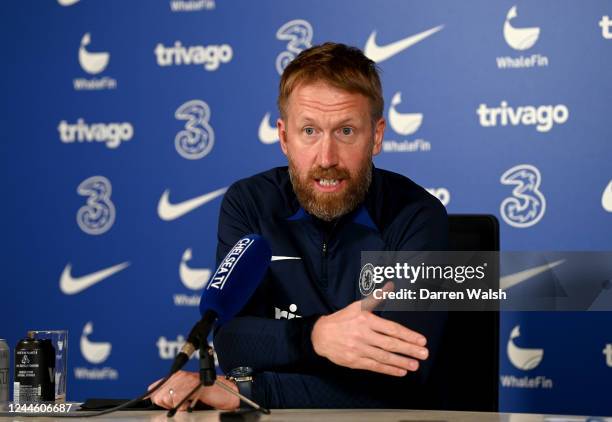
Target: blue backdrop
[[124, 121]]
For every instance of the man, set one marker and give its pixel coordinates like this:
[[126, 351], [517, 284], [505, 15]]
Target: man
[[305, 336]]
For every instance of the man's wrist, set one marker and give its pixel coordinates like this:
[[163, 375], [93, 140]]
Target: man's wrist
[[316, 334]]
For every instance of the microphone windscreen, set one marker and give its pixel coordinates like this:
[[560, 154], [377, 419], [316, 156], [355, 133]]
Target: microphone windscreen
[[232, 285]]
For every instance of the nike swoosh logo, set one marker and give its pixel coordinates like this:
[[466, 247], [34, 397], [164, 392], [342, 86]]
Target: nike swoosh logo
[[283, 258], [267, 133], [169, 212], [380, 53], [72, 285], [510, 280]]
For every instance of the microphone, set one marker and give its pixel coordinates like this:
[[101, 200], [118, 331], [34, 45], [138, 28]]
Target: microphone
[[228, 290]]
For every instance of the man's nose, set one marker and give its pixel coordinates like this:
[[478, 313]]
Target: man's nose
[[328, 156]]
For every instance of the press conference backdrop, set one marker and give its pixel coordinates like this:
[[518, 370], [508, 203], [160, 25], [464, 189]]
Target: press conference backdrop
[[123, 123]]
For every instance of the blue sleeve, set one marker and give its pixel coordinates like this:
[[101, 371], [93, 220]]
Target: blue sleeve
[[250, 339]]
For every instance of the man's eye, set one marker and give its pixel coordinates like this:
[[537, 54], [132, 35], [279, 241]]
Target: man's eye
[[347, 131], [309, 131]]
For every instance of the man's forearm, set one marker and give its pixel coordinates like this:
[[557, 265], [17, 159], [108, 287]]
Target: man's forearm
[[267, 344]]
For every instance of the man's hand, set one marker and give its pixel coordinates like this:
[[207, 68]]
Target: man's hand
[[181, 383], [356, 338]]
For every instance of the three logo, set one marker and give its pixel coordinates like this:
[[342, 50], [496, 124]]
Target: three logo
[[527, 204], [198, 137], [298, 33], [98, 215]]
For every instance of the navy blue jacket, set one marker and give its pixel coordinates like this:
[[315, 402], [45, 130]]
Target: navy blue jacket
[[316, 273]]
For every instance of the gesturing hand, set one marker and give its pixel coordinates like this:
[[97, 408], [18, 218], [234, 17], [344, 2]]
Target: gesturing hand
[[356, 338]]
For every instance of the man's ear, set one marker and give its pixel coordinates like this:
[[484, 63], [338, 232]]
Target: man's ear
[[379, 133], [282, 134]]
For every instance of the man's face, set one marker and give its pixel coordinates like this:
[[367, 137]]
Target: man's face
[[329, 140]]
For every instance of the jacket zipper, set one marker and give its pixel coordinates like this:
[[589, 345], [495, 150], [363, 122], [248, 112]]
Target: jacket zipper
[[324, 264]]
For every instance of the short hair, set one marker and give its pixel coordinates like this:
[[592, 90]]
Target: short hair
[[339, 65]]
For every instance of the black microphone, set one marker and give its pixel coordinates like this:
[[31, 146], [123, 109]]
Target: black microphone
[[227, 291]]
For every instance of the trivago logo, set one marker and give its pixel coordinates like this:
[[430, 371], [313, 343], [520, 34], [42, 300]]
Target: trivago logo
[[94, 353], [543, 117], [111, 134], [606, 27], [210, 57]]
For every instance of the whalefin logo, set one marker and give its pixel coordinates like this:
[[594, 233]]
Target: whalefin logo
[[93, 352], [519, 38], [381, 53], [92, 63], [521, 358], [168, 211], [267, 133], [192, 278], [606, 198], [70, 285], [403, 123]]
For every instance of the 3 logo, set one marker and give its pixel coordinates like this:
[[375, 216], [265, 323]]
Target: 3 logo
[[298, 33], [198, 137], [98, 215], [527, 204]]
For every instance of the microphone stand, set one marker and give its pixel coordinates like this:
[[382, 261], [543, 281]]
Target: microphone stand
[[208, 377]]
